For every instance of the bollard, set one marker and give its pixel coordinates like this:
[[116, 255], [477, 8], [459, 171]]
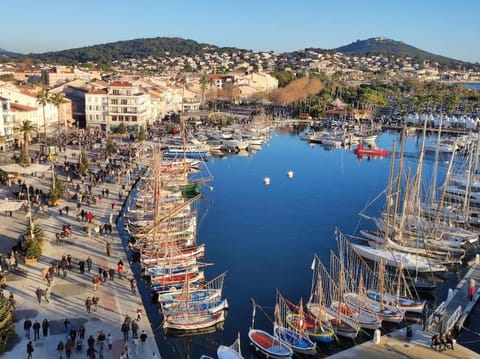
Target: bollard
[[477, 259], [376, 336]]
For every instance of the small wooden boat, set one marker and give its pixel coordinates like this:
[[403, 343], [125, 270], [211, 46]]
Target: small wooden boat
[[369, 151], [267, 343], [230, 352]]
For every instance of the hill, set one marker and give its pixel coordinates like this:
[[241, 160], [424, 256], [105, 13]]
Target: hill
[[123, 50], [388, 47], [8, 53]]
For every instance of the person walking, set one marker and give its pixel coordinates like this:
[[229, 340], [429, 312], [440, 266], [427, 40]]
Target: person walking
[[120, 268], [125, 329], [81, 333], [81, 266], [45, 326], [111, 273], [109, 342], [108, 248], [135, 328], [36, 330], [95, 301], [29, 350], [89, 264], [139, 312], [88, 304], [143, 340], [60, 348], [27, 324], [133, 285], [39, 293], [46, 295], [68, 348]]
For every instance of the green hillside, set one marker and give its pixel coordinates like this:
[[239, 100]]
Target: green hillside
[[122, 50], [384, 46]]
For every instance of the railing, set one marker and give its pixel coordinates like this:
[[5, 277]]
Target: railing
[[453, 319]]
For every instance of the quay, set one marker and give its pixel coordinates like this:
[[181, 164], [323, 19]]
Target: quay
[[449, 315], [68, 293], [419, 129]]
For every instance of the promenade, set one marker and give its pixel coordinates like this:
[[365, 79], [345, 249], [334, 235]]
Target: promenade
[[68, 293]]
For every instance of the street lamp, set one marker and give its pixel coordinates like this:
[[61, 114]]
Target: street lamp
[[51, 157]]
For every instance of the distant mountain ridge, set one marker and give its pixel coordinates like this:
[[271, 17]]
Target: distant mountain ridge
[[160, 47], [388, 47]]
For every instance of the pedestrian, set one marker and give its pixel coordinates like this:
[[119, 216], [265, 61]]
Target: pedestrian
[[68, 327], [125, 329], [95, 301], [47, 278], [68, 348], [11, 300], [107, 192], [139, 312], [109, 248], [27, 324], [120, 268], [109, 342], [60, 347], [143, 339], [36, 330], [94, 282], [69, 261], [45, 326], [472, 291], [111, 273], [29, 349], [81, 266], [91, 341], [88, 304], [105, 275], [39, 293], [134, 327], [91, 351], [46, 295], [81, 332], [67, 209], [89, 264], [113, 204], [133, 285], [73, 335]]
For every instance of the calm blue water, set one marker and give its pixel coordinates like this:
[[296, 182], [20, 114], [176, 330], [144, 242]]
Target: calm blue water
[[265, 236]]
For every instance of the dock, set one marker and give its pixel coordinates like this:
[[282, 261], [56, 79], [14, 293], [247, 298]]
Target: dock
[[449, 315], [452, 313]]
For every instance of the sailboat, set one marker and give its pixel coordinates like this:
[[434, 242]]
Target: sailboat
[[230, 352], [294, 337], [267, 343]]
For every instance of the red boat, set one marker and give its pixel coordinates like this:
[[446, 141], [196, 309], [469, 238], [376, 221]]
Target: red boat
[[369, 151]]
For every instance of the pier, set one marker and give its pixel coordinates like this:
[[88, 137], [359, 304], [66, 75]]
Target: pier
[[449, 315]]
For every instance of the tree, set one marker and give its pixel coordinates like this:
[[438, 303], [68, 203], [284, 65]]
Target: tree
[[26, 129], [33, 238], [84, 163], [203, 86], [121, 128], [142, 135], [109, 146], [43, 99], [57, 191], [58, 99], [7, 322]]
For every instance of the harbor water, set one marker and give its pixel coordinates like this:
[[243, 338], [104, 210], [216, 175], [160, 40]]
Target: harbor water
[[265, 237]]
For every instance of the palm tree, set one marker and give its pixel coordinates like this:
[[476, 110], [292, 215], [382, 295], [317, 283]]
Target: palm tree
[[203, 87], [26, 129], [58, 99], [43, 99]]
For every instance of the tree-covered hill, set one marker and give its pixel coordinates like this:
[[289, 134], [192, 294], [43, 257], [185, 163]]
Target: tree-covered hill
[[388, 47], [121, 50]]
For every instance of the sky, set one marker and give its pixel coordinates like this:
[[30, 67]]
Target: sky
[[444, 27]]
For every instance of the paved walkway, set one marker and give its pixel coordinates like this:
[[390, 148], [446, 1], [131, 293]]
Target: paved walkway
[[68, 294]]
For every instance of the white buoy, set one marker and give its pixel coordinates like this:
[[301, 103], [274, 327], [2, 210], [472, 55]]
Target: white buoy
[[266, 180], [376, 336], [290, 174]]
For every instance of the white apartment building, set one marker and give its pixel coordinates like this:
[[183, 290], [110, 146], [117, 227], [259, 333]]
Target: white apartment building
[[120, 102], [22, 99], [6, 124]]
